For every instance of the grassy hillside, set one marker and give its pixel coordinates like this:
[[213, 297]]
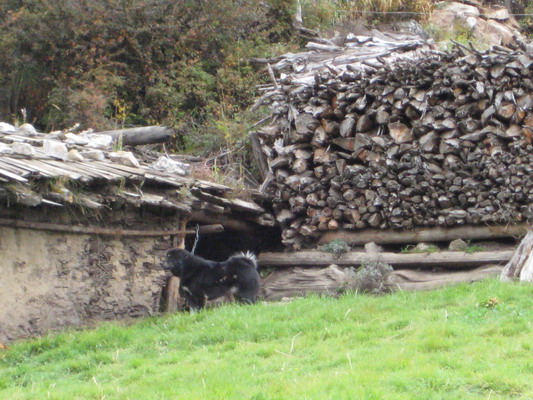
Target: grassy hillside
[[466, 342]]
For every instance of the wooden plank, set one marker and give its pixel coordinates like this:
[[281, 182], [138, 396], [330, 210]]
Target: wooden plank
[[26, 165], [6, 165], [445, 259], [125, 168], [224, 220], [57, 171], [437, 234], [109, 168], [95, 230], [12, 176], [84, 172], [235, 204]]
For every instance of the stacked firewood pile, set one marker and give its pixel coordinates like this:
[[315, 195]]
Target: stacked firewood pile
[[443, 140]]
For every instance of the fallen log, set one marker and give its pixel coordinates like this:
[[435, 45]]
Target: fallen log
[[141, 135], [299, 282], [333, 280], [444, 259], [521, 265], [436, 234]]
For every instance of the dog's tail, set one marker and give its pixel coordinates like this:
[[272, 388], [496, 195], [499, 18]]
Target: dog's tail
[[247, 255]]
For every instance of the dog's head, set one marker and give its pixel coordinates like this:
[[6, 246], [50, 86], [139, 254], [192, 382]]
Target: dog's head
[[175, 260]]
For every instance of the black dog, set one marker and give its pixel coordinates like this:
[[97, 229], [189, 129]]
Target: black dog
[[202, 280]]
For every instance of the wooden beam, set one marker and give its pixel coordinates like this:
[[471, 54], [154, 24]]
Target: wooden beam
[[425, 234], [94, 230], [444, 259], [234, 204], [227, 222]]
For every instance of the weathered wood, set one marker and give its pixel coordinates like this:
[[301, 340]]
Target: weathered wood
[[436, 234], [299, 282], [172, 300], [441, 142], [413, 280], [333, 280], [141, 135], [445, 259], [521, 265], [226, 221], [94, 230], [234, 204]]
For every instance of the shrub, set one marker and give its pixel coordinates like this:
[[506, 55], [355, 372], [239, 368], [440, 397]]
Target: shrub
[[369, 278], [336, 247]]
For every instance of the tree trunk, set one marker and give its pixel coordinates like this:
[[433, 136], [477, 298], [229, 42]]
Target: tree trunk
[[521, 265], [141, 135]]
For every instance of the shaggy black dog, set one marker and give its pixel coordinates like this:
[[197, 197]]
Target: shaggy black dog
[[202, 280]]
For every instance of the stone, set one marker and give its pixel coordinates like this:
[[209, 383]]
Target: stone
[[76, 139], [458, 245], [26, 130], [99, 141], [7, 128], [23, 149], [5, 149], [74, 155], [424, 247], [373, 248], [55, 149], [97, 155], [124, 158], [171, 166]]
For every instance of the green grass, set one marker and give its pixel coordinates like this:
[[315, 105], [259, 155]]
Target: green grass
[[466, 342]]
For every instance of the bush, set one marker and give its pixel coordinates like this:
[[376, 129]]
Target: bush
[[369, 278], [160, 60]]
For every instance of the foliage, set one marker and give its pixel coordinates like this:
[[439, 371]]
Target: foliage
[[336, 247], [418, 345], [108, 63], [475, 248], [369, 278], [334, 13]]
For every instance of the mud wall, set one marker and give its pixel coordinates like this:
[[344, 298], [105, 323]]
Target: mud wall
[[53, 280]]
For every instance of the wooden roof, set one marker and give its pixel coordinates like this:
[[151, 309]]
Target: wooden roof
[[143, 185]]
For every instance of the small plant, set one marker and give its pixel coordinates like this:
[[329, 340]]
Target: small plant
[[119, 144], [369, 278], [474, 249], [411, 249], [490, 303], [336, 247]]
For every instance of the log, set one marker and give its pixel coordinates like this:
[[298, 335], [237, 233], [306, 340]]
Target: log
[[96, 230], [172, 300], [445, 259], [141, 135], [299, 282], [422, 280], [521, 265], [333, 280], [436, 234], [227, 222]]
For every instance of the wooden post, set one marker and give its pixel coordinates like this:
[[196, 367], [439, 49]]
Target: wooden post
[[173, 301]]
